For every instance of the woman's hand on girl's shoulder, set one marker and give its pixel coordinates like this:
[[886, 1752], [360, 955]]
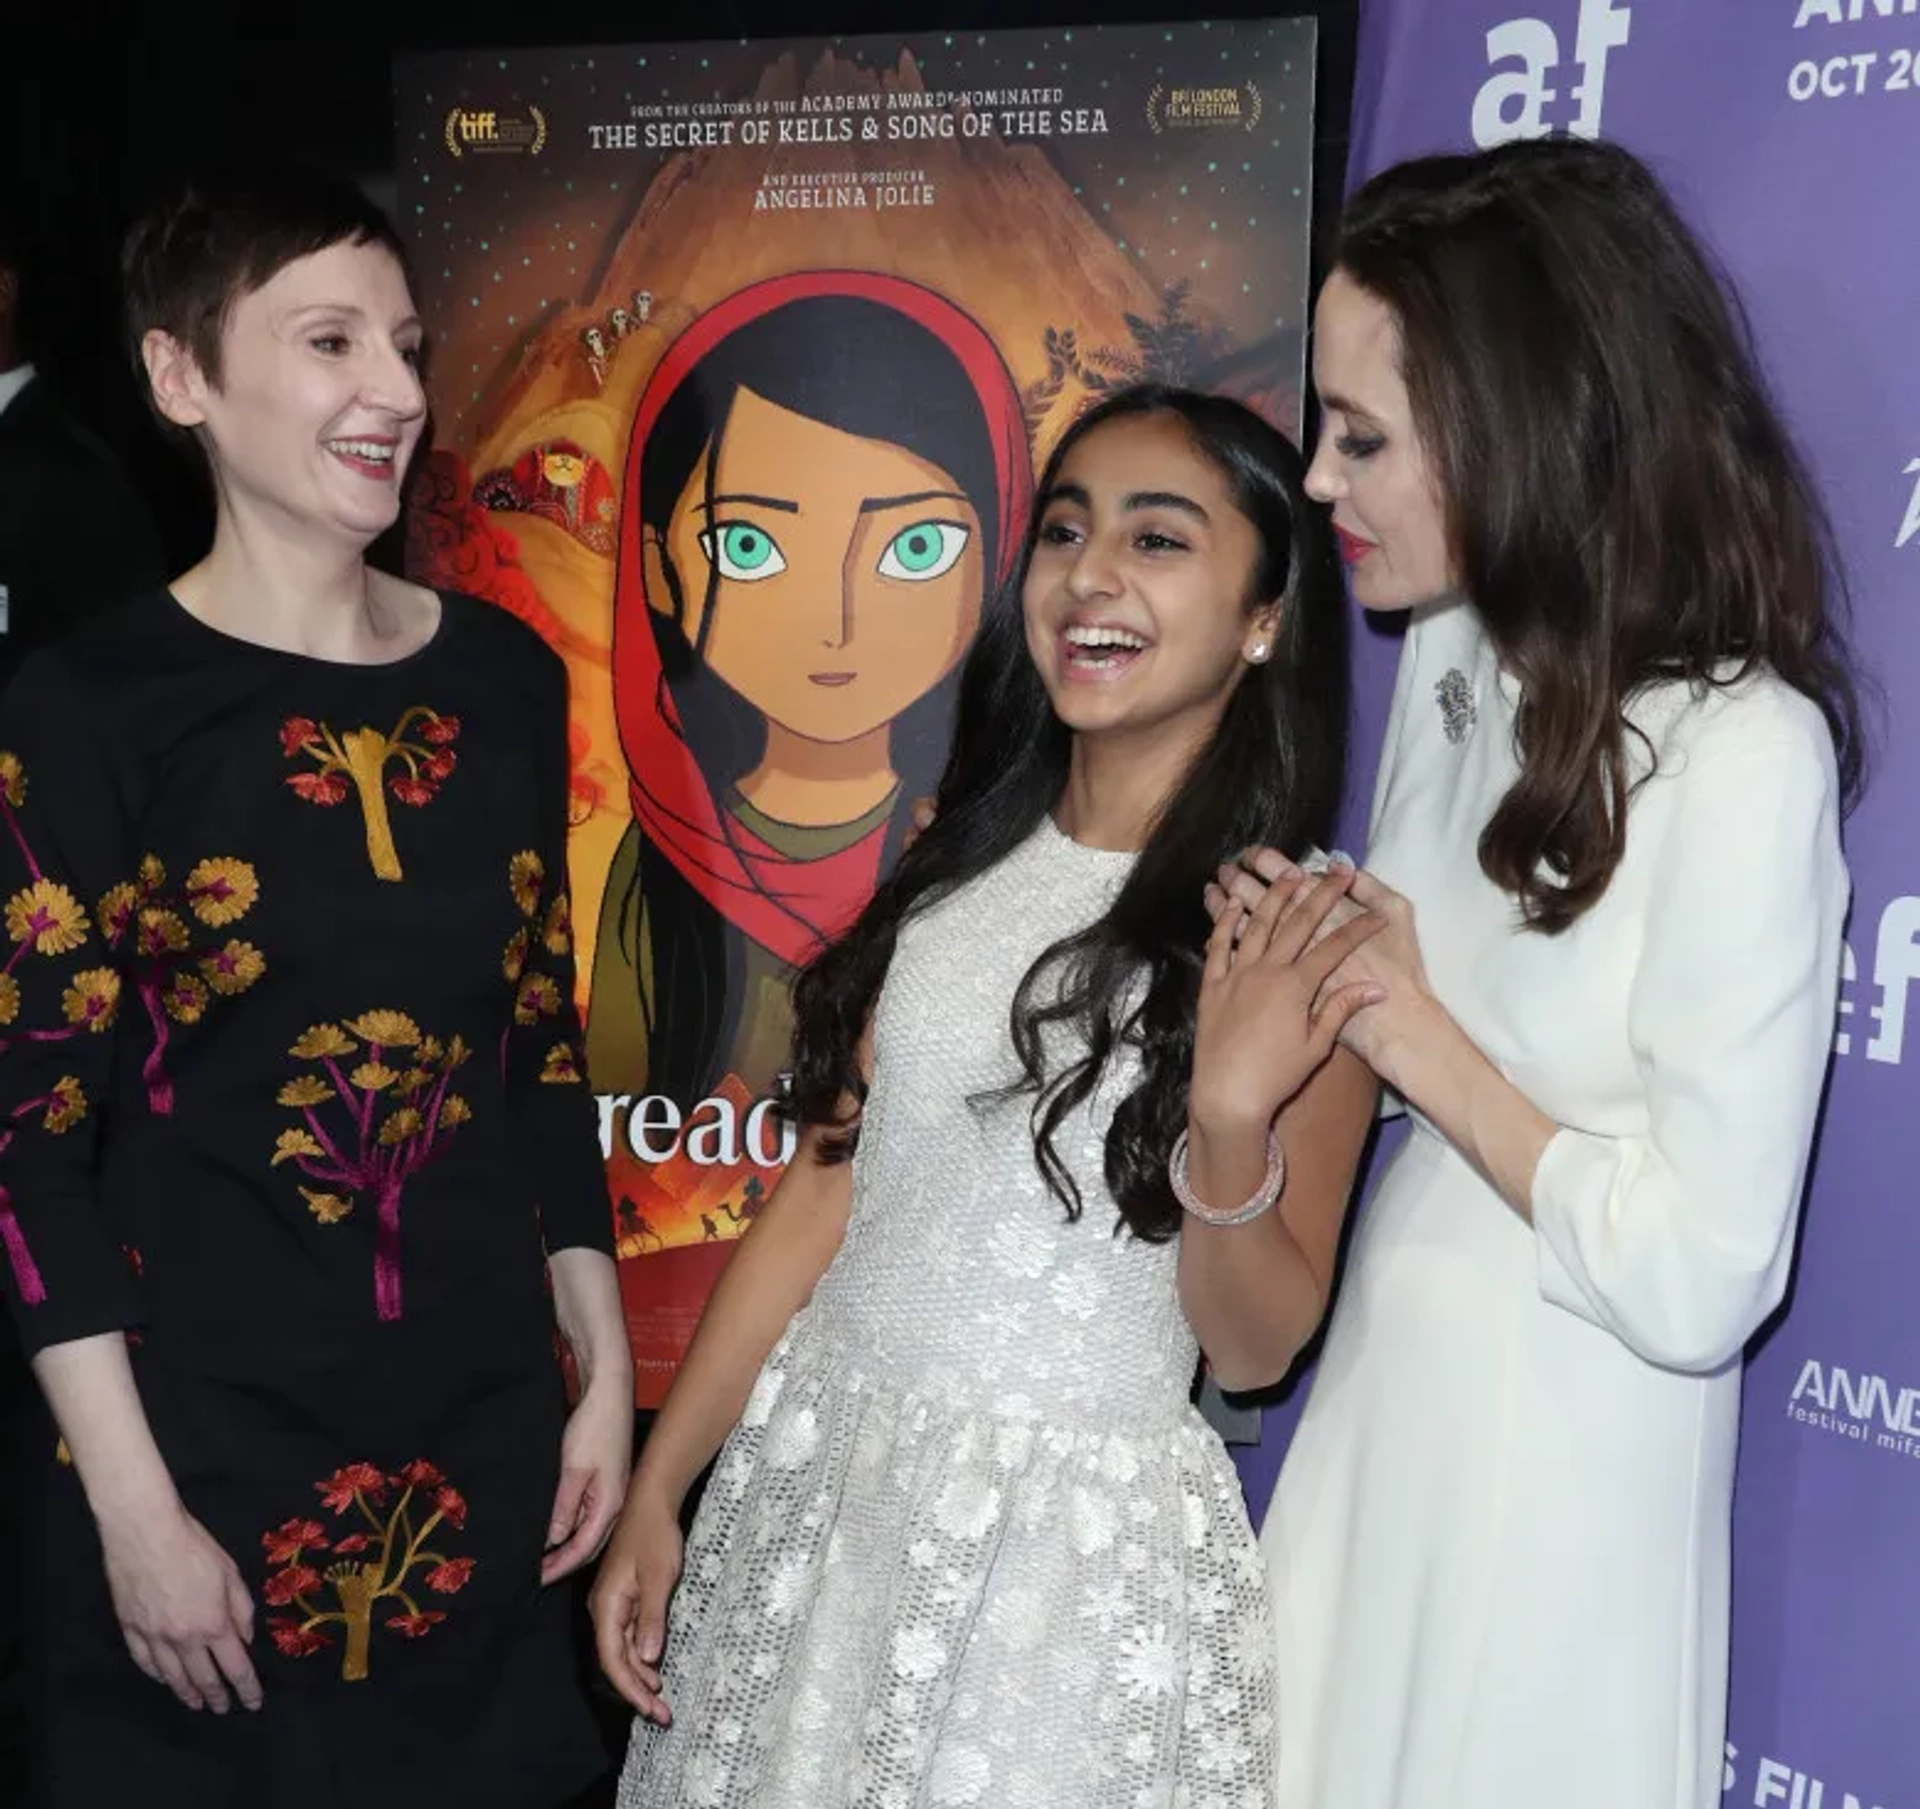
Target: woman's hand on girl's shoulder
[[1267, 1016]]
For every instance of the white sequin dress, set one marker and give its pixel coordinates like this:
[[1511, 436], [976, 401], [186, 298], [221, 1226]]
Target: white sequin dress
[[970, 1544]]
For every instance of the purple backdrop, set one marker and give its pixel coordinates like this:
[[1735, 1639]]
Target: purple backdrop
[[1790, 132]]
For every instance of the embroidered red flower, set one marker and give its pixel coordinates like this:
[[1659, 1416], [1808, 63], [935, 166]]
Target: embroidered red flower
[[416, 1626], [453, 1505], [295, 1640], [411, 791], [294, 1537], [338, 1490], [441, 730], [439, 765], [352, 1545], [320, 788], [283, 1586], [296, 733], [419, 1475], [451, 1577]]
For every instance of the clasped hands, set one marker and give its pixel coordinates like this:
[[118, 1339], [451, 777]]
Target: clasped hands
[[1387, 962]]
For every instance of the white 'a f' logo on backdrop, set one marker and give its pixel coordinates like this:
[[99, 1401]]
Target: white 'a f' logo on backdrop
[[1522, 100], [1910, 528]]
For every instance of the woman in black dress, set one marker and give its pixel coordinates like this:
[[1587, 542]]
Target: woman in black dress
[[292, 1125]]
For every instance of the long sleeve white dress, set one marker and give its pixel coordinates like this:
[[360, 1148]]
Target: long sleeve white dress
[[1499, 1544]]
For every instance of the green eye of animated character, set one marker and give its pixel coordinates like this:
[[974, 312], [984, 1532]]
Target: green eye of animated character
[[927, 549]]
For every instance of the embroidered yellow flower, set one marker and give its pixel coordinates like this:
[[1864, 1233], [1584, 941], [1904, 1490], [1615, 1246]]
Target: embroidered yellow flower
[[403, 1124], [160, 932], [308, 1090], [185, 998], [233, 968], [153, 875], [222, 890], [454, 1110], [390, 1029], [539, 998], [560, 1066], [48, 917], [526, 873], [560, 926], [116, 910], [9, 998], [290, 1144], [373, 1077], [323, 1040], [328, 1208], [514, 963], [92, 999], [67, 1106], [457, 1052], [430, 1049], [13, 777]]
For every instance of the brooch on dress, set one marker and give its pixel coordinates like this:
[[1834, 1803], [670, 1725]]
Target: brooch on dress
[[1458, 712]]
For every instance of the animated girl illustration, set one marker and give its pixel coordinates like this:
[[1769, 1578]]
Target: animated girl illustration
[[826, 474]]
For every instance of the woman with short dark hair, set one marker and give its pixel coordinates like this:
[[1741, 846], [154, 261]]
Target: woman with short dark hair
[[292, 1126]]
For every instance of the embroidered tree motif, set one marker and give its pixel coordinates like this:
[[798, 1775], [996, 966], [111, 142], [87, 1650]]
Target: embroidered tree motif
[[358, 761], [377, 1561], [176, 977], [43, 918], [392, 1115]]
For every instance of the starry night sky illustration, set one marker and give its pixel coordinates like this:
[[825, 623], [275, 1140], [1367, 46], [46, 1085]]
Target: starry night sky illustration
[[516, 236]]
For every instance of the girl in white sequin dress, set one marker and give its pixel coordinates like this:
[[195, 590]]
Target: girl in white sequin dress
[[968, 1541]]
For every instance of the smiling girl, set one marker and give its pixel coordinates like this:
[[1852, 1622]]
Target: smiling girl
[[968, 1541]]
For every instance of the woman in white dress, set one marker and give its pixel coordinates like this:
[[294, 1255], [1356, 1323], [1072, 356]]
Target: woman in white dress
[[1620, 746], [969, 1543]]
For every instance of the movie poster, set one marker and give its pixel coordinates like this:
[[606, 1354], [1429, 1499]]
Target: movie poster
[[744, 356]]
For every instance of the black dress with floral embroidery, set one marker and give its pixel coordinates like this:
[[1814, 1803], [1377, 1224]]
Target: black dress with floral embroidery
[[289, 1093]]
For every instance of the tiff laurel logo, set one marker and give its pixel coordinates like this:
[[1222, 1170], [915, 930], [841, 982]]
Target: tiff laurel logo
[[1520, 102]]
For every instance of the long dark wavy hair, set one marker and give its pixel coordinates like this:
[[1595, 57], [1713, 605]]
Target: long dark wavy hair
[[1271, 774], [1623, 502], [842, 361]]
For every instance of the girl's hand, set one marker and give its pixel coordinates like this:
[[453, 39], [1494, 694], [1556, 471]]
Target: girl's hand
[[1268, 1015], [1248, 878], [630, 1597], [1407, 1011]]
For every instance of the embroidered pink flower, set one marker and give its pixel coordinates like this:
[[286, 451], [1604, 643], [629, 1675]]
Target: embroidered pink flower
[[295, 1536], [451, 1577], [295, 1640], [339, 1488], [416, 1626], [320, 788], [283, 1586]]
